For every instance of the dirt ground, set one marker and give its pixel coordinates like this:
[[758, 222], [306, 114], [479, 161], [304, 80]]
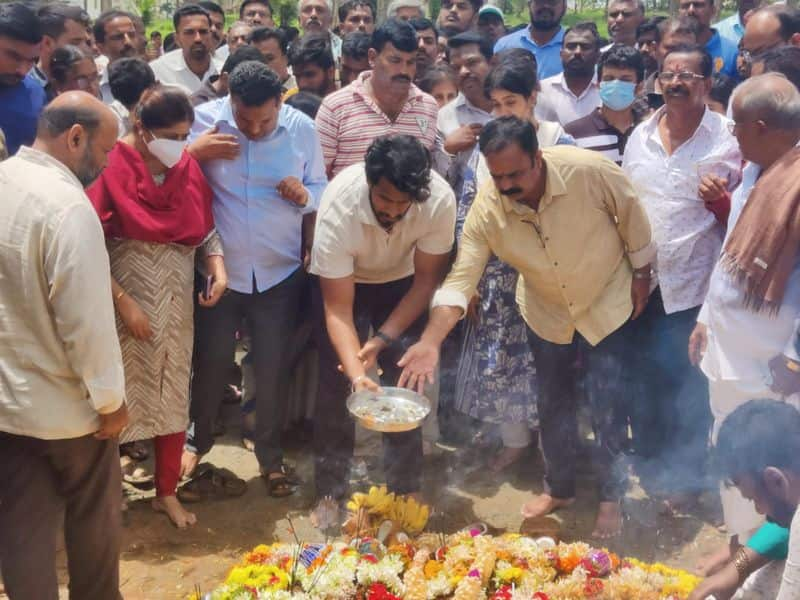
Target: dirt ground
[[161, 562]]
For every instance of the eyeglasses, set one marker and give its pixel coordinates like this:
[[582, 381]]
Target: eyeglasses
[[683, 76]]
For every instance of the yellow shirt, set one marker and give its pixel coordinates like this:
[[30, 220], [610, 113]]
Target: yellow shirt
[[574, 254]]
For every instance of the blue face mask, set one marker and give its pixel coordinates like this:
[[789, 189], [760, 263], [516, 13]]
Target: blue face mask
[[617, 94]]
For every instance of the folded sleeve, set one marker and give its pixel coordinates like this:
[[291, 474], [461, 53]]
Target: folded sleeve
[[473, 254], [630, 217], [79, 278]]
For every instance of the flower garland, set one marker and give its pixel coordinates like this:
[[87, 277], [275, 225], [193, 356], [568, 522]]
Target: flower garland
[[470, 566]]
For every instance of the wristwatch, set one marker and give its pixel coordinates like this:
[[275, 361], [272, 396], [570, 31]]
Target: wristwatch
[[792, 365]]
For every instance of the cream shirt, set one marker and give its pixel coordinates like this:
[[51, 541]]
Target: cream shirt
[[349, 240], [60, 360], [574, 254]]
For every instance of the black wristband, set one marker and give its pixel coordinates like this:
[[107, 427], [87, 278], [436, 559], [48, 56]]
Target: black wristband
[[382, 336]]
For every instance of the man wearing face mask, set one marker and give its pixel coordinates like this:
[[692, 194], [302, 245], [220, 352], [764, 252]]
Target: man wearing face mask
[[608, 127], [666, 158], [383, 238], [193, 63], [260, 198], [574, 93], [543, 38]]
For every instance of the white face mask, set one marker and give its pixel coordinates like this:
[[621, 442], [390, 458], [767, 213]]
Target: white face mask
[[169, 152]]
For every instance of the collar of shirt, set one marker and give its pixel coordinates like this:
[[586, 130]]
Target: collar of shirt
[[176, 61], [650, 128], [225, 115], [557, 39], [560, 81], [359, 88], [554, 187], [462, 104], [41, 158]]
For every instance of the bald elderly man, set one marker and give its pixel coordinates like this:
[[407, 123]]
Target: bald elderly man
[[62, 385]]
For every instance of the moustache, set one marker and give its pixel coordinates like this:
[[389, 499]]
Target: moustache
[[511, 191], [403, 78], [677, 91]]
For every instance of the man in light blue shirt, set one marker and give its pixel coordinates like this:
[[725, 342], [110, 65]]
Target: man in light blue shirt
[[732, 27], [542, 38], [260, 198]]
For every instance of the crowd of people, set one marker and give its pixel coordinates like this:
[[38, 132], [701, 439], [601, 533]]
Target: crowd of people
[[523, 224]]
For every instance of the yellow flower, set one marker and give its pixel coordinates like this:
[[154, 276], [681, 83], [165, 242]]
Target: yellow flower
[[509, 574], [262, 577], [432, 569]]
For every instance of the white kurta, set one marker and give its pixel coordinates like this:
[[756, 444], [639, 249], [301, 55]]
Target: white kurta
[[741, 343]]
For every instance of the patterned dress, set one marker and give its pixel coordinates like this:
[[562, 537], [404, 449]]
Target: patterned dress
[[495, 381], [160, 277]]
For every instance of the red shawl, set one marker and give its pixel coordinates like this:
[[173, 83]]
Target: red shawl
[[131, 206]]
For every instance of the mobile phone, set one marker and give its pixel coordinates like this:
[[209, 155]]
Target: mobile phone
[[209, 285]]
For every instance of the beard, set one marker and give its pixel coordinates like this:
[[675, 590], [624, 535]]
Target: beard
[[87, 171], [545, 20]]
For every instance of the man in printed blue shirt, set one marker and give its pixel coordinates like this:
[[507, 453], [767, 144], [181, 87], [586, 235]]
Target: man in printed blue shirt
[[722, 50], [275, 176], [542, 38], [22, 97]]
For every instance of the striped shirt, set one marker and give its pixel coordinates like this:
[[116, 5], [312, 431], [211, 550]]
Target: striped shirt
[[593, 132], [349, 120]]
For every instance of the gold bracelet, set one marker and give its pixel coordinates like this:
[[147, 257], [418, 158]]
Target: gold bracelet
[[792, 366], [118, 296], [742, 563]]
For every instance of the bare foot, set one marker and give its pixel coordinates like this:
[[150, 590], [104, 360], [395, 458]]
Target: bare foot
[[505, 458], [542, 505], [609, 520], [189, 462], [711, 563], [179, 516]]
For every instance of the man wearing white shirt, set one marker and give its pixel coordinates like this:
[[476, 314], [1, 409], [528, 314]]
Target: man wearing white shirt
[[740, 346], [116, 38], [574, 93], [665, 159], [383, 239], [459, 122], [192, 64]]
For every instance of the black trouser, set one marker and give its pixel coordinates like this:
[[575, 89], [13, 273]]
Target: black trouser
[[271, 316], [669, 407], [46, 482], [334, 429], [602, 369]]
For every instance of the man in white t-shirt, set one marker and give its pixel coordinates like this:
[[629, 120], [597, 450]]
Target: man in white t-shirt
[[383, 239]]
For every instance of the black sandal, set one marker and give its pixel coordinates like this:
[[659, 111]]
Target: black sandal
[[134, 450], [280, 486], [211, 483]]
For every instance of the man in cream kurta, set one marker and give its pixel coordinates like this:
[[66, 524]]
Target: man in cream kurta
[[61, 379]]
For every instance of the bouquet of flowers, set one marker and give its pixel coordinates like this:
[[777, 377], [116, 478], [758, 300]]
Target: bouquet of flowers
[[469, 567]]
